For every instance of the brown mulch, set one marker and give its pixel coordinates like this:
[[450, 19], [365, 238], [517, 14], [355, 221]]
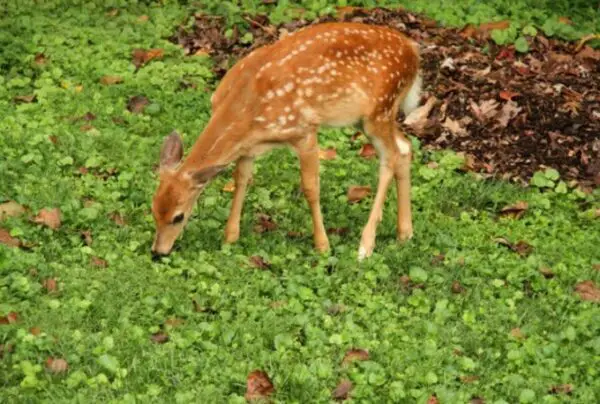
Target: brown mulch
[[512, 113]]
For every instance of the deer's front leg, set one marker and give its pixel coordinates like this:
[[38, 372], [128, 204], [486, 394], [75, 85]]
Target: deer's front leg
[[241, 177], [308, 153]]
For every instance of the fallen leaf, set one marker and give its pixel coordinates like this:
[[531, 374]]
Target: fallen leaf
[[49, 218], [294, 234], [229, 187], [418, 118], [596, 267], [433, 400], [86, 128], [517, 333], [515, 211], [507, 95], [265, 223], [448, 63], [143, 18], [485, 109], [40, 59], [355, 355], [277, 304], [342, 390], [26, 99], [258, 386], [327, 154], [457, 288], [111, 80], [99, 262], [509, 111], [565, 20], [589, 53], [454, 127], [357, 193], [499, 25], [50, 285], [113, 12], [159, 337], [137, 104], [53, 139], [521, 247], [259, 262], [56, 366], [117, 218], [174, 322], [438, 259], [469, 379], [142, 56], [342, 12], [10, 209], [367, 151], [587, 290], [87, 237], [547, 272], [35, 331], [477, 400], [10, 318], [355, 136], [561, 389]]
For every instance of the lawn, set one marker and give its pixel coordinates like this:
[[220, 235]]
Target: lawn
[[494, 300]]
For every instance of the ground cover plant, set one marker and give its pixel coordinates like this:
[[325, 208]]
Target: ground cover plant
[[494, 300]]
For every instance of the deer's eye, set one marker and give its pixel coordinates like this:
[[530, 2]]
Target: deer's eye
[[178, 218]]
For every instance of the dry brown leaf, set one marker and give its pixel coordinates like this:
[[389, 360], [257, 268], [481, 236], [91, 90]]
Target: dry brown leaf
[[50, 285], [259, 262], [341, 12], [509, 111], [258, 386], [587, 290], [517, 333], [477, 400], [418, 118], [565, 20], [111, 80], [10, 318], [117, 218], [357, 193], [561, 389], [99, 262], [229, 187], [56, 366], [327, 154], [40, 59], [485, 109], [507, 95], [457, 288], [174, 322], [142, 56], [35, 331], [26, 99], [159, 337], [596, 267], [10, 209], [469, 379], [433, 400], [265, 223], [547, 272], [516, 210], [589, 53], [87, 237], [143, 18], [49, 218], [355, 355], [521, 247], [367, 151], [7, 239], [454, 127], [137, 104], [342, 391], [499, 25]]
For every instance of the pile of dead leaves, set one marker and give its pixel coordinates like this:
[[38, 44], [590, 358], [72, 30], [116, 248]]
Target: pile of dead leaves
[[512, 114]]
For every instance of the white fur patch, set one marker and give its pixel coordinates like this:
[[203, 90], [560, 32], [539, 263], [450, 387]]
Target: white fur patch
[[412, 98], [403, 146]]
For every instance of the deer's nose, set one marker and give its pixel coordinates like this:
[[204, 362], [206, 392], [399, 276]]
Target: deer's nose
[[156, 256]]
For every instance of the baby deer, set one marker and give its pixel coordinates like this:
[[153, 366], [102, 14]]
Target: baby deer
[[333, 74]]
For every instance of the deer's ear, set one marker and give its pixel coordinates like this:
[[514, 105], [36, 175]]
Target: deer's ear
[[202, 176], [171, 151]]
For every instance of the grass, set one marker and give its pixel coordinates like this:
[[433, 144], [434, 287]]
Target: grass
[[295, 320]]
